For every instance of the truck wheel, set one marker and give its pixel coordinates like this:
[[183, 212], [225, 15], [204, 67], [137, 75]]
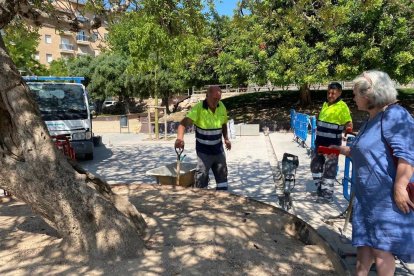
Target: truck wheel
[[97, 141], [89, 156]]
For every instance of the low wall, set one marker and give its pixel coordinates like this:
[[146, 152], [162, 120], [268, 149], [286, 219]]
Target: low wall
[[111, 124]]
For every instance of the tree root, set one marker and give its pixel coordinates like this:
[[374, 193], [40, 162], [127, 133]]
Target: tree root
[[120, 202]]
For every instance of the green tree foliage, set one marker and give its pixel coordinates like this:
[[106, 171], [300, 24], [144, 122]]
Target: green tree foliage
[[82, 66], [109, 77], [379, 34], [162, 40], [243, 54], [21, 41], [171, 45], [154, 47], [105, 76], [296, 41], [310, 42], [203, 69], [59, 67], [142, 40]]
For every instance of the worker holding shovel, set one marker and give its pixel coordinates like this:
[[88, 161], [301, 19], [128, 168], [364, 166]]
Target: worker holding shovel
[[210, 119]]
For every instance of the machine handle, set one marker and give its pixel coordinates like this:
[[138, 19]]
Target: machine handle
[[326, 150], [348, 131]]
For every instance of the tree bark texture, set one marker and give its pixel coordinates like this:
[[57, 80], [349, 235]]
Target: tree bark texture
[[90, 218], [305, 95]]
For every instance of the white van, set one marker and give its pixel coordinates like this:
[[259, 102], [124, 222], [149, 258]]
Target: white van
[[64, 108]]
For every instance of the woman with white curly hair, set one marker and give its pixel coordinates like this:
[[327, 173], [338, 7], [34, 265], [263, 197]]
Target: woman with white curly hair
[[383, 159]]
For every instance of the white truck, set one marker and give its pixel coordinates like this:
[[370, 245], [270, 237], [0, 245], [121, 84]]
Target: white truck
[[64, 106]]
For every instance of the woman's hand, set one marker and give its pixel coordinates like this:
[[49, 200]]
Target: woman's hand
[[344, 150], [402, 200]]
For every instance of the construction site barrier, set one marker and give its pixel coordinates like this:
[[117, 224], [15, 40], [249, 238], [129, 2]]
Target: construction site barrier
[[348, 173], [302, 124]]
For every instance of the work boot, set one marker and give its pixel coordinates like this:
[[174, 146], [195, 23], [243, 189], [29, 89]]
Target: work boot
[[325, 193], [325, 196], [318, 189], [222, 186], [317, 178]]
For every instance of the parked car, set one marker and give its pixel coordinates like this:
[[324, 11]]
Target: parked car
[[92, 109], [109, 103]]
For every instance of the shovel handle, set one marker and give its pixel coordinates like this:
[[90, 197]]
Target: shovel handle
[[178, 151], [177, 180]]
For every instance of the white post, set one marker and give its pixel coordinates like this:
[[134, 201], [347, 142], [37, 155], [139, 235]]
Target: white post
[[149, 122], [165, 123]]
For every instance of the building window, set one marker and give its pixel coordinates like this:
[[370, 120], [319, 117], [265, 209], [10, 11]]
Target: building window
[[36, 56], [49, 58], [65, 44], [94, 37], [81, 36], [48, 39]]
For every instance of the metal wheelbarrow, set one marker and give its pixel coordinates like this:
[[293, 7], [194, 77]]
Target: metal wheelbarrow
[[167, 175]]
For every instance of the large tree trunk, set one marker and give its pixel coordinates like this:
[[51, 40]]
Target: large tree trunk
[[165, 102], [127, 104], [89, 217], [305, 95]]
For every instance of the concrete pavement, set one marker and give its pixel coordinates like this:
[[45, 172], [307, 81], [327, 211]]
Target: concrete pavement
[[253, 172]]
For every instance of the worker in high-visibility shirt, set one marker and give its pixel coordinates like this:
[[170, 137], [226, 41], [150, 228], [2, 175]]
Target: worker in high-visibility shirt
[[210, 119], [333, 119]]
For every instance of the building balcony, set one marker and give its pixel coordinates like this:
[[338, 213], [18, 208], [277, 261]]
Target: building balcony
[[67, 48], [83, 39], [83, 54]]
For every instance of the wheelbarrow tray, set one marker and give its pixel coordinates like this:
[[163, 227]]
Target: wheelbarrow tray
[[167, 175]]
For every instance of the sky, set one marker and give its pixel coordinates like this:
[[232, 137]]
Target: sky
[[225, 7]]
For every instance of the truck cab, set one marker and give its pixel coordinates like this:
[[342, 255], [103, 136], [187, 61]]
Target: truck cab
[[64, 106]]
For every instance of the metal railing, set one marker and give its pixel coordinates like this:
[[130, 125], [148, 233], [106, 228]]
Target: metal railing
[[66, 47], [82, 37]]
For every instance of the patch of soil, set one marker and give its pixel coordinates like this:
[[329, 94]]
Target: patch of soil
[[190, 232]]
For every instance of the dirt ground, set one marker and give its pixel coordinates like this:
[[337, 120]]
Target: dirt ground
[[189, 233]]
